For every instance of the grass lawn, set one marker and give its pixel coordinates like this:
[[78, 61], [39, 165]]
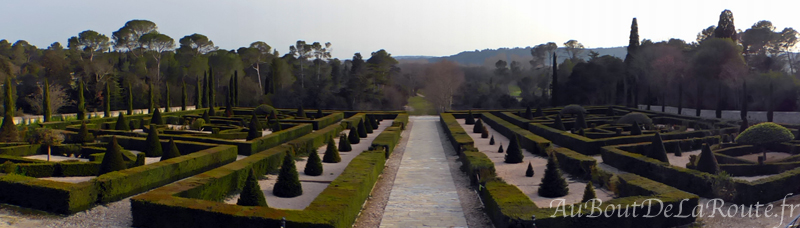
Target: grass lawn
[[420, 106], [514, 90]]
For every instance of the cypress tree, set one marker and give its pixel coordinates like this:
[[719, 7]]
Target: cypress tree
[[8, 131], [491, 141], [707, 161], [331, 153], [558, 123], [151, 99], [743, 113], [470, 119], [313, 164], [353, 136], [633, 47], [130, 99], [206, 117], [254, 129], [81, 102], [229, 97], [588, 193], [344, 144], [112, 160], [236, 88], [288, 184], [362, 130], [478, 127], [198, 94], [153, 145], [718, 112], [529, 172], [770, 110], [553, 183], [251, 195], [156, 118], [83, 134], [657, 150], [46, 100], [699, 100], [206, 98], [513, 153], [183, 96], [168, 104], [122, 123], [554, 84], [173, 151], [528, 113], [107, 105], [212, 93], [229, 107]]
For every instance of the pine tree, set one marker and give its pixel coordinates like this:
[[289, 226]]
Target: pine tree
[[528, 113], [130, 99], [254, 129], [707, 161], [331, 153], [529, 172], [553, 183], [251, 195], [112, 160], [288, 184], [173, 151], [558, 123], [183, 96], [657, 150], [470, 119], [156, 118], [8, 131], [588, 193], [362, 130], [46, 102], [344, 144], [153, 145], [313, 164], [167, 103], [514, 153], [353, 136], [491, 141], [122, 123], [478, 127], [198, 94], [81, 102], [83, 134], [107, 101]]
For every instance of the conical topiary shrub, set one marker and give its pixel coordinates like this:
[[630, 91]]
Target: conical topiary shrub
[[344, 144], [313, 164], [301, 112], [288, 184], [368, 126], [678, 151], [156, 119], [707, 161], [251, 193], [140, 160], [254, 129], [470, 119], [657, 150], [559, 124], [529, 172], [353, 136], [112, 160], [153, 147], [528, 113], [491, 141], [173, 151], [553, 183], [484, 133], [206, 117], [478, 127], [636, 129], [362, 129], [539, 112], [514, 153], [580, 123], [331, 153], [372, 122], [500, 150], [588, 193], [319, 114], [122, 123], [83, 134]]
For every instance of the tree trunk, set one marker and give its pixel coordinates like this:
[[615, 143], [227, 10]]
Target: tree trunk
[[258, 74], [48, 152]]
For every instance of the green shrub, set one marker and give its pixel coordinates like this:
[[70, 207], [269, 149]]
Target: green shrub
[[636, 129], [707, 161], [206, 117], [122, 123], [152, 144], [588, 193], [173, 151], [553, 183], [514, 153], [500, 150], [140, 158], [353, 136], [559, 124], [529, 172], [678, 151], [112, 160], [9, 167], [484, 133], [251, 194], [254, 129], [83, 134], [373, 123], [319, 114], [657, 150], [197, 124], [539, 112], [580, 123], [344, 144], [635, 117], [301, 112], [470, 119], [478, 127], [331, 153], [528, 113], [368, 126], [491, 141], [765, 133], [288, 184], [313, 164], [362, 129], [264, 110], [156, 119], [572, 109]]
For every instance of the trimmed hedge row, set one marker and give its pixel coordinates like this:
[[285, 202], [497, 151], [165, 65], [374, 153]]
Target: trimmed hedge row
[[527, 140], [51, 196], [112, 120], [352, 121], [388, 139], [320, 123], [401, 120], [23, 150]]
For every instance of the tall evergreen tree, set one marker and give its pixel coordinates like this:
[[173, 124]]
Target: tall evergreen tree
[[167, 103], [288, 184], [699, 100], [198, 94], [184, 98], [112, 160], [151, 99], [8, 131], [251, 195], [743, 112], [81, 102], [107, 101], [130, 99], [718, 112], [212, 91], [554, 84], [235, 88], [633, 47], [680, 98], [46, 100]]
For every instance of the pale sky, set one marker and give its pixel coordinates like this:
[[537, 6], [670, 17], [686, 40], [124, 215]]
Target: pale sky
[[403, 27]]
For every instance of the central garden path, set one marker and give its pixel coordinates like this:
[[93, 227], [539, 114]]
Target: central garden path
[[424, 194]]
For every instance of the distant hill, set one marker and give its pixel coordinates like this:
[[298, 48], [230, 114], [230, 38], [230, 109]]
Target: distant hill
[[488, 57]]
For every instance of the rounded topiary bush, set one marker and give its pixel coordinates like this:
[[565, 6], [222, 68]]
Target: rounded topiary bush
[[197, 124], [572, 109], [635, 117], [288, 184], [263, 110], [764, 133]]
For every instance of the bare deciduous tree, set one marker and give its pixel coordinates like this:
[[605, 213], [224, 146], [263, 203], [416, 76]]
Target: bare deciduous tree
[[443, 79], [58, 98]]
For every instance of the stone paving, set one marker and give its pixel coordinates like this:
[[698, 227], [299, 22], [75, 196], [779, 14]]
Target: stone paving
[[424, 194]]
